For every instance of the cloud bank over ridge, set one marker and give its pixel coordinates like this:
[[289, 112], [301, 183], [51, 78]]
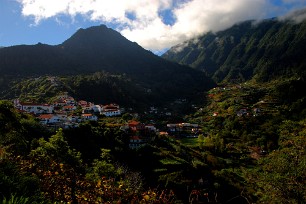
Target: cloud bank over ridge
[[159, 24]]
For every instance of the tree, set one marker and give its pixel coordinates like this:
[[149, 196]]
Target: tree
[[57, 166], [57, 148], [11, 129], [102, 167], [281, 177]]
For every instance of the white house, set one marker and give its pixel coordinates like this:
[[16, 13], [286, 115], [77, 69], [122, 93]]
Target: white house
[[111, 110], [112, 113], [88, 116], [74, 118], [49, 119], [69, 100], [62, 116], [96, 108], [150, 127], [36, 108], [110, 107], [69, 108]]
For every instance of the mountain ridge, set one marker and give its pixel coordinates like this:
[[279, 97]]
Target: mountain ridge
[[101, 49], [249, 50]]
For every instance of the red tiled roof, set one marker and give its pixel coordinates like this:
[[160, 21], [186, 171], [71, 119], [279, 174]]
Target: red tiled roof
[[33, 104], [68, 107], [46, 116], [69, 98], [132, 123], [86, 114], [111, 110], [111, 106]]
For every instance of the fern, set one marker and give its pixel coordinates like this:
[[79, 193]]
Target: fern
[[16, 200]]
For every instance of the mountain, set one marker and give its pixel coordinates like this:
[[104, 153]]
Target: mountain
[[101, 49], [263, 51], [88, 50]]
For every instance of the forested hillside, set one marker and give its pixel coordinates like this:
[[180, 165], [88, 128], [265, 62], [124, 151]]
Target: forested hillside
[[255, 118], [100, 87], [260, 50]]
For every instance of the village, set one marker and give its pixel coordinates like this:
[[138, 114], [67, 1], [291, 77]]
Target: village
[[66, 112], [242, 100]]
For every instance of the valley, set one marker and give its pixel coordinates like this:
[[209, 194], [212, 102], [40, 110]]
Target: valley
[[223, 122]]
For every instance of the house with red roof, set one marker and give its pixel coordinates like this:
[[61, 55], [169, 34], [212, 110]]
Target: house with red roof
[[110, 107], [49, 119], [69, 100], [59, 102], [36, 108], [111, 110], [89, 116], [136, 126], [112, 113], [69, 108], [83, 103]]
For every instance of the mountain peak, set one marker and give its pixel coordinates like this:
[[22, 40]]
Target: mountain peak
[[94, 36], [101, 49], [98, 28]]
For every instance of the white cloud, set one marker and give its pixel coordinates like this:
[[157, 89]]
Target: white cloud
[[140, 20], [296, 16], [293, 1], [192, 19]]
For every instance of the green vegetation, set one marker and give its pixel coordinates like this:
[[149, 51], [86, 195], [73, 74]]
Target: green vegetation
[[251, 149], [259, 135], [261, 50], [51, 169], [251, 146]]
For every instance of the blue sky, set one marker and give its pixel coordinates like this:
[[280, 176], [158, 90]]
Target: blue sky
[[154, 24]]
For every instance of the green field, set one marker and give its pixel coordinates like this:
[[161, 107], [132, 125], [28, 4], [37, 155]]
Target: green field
[[190, 141]]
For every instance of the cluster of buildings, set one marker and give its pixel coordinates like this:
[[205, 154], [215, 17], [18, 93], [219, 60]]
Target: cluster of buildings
[[140, 133], [184, 129], [66, 112]]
